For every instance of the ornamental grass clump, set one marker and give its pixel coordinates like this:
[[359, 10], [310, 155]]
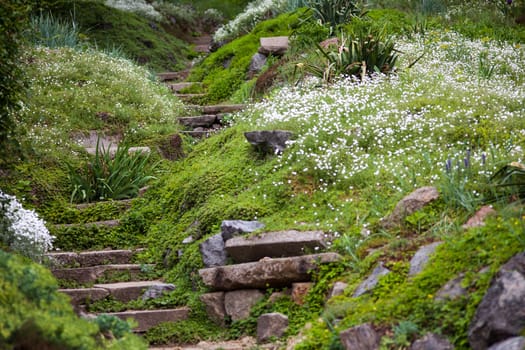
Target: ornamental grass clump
[[110, 176], [21, 230], [358, 55]]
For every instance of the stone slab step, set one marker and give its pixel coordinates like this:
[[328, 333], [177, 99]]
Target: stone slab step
[[106, 223], [176, 87], [147, 319], [274, 245], [265, 273], [205, 121], [124, 203], [81, 296], [84, 275], [127, 291], [92, 258], [167, 76]]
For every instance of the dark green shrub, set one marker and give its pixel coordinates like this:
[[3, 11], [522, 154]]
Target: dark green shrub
[[13, 14]]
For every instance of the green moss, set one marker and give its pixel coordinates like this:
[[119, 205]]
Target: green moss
[[224, 71]]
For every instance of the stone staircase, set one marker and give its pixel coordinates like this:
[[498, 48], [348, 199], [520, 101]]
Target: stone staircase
[[280, 260], [92, 276]]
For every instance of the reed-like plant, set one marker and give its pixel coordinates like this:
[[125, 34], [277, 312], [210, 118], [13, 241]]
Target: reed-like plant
[[52, 32], [110, 176], [510, 179], [357, 55], [335, 12]]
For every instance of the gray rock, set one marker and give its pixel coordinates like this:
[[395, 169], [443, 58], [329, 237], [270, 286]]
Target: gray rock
[[258, 61], [420, 259], [212, 251], [274, 245], [276, 45], [272, 325], [238, 303], [215, 307], [268, 141], [371, 281], [515, 343], [156, 291], [203, 121], [362, 337], [338, 289], [265, 273], [501, 313], [230, 228], [410, 204], [432, 341], [452, 289]]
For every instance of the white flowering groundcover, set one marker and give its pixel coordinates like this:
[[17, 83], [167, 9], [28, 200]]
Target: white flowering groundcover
[[22, 230], [464, 98]]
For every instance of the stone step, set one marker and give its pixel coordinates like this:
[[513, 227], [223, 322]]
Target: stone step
[[147, 319], [92, 258], [177, 87], [216, 109], [86, 275], [168, 76], [274, 245], [106, 223], [205, 121], [265, 273], [122, 291], [121, 203]]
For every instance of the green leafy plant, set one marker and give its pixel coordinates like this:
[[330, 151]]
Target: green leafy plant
[[109, 176], [335, 12], [52, 32], [510, 178], [359, 55]]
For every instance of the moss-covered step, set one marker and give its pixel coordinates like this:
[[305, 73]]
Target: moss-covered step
[[265, 273], [178, 87], [120, 291], [147, 319], [92, 258], [274, 245], [112, 272]]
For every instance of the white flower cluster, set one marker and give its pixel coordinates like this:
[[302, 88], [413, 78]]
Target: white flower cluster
[[399, 130], [254, 12], [139, 7], [22, 230]]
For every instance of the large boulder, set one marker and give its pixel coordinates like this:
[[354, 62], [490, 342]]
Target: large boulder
[[215, 310], [238, 303], [410, 204], [362, 337], [501, 313], [371, 281], [230, 228], [268, 141], [432, 341], [420, 259], [272, 325], [515, 343], [212, 251]]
